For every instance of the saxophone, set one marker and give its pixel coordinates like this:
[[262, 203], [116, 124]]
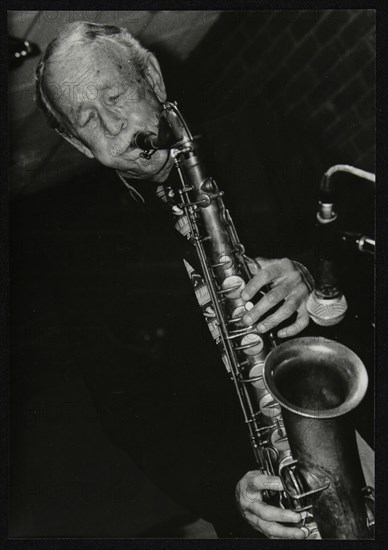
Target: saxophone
[[293, 396]]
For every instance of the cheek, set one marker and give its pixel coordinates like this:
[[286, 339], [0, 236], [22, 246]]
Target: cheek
[[103, 155], [101, 147], [101, 152], [143, 113]]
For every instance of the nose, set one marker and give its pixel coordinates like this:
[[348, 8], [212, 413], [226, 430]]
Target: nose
[[113, 122]]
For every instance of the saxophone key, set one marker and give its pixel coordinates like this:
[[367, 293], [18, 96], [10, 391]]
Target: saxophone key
[[223, 261], [255, 376], [239, 312], [232, 286], [241, 332], [252, 344], [280, 441], [269, 407]]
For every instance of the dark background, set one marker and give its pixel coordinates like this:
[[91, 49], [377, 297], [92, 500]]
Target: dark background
[[279, 96]]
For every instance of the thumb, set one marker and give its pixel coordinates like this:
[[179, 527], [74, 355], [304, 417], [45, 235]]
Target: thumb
[[266, 483]]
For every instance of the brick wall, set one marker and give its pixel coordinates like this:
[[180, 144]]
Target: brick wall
[[314, 68]]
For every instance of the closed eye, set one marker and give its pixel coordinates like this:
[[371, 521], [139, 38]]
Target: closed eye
[[112, 98]]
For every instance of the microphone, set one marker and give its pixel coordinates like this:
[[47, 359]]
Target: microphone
[[326, 304]]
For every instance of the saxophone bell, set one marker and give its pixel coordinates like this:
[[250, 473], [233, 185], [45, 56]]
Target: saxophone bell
[[317, 382]]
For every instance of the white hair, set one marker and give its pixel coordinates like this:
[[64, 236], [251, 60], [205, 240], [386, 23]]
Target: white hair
[[74, 35]]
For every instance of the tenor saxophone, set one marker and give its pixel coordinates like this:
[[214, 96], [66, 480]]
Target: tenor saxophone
[[333, 503]]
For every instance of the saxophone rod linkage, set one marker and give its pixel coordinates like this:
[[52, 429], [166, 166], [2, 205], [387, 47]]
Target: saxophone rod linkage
[[242, 394]]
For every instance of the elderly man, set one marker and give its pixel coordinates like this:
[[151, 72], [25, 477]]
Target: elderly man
[[98, 87]]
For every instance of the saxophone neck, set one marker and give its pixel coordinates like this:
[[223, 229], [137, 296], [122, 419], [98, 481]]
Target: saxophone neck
[[173, 132], [172, 126]]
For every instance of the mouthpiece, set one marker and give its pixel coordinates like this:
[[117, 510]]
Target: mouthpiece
[[145, 140], [149, 142]]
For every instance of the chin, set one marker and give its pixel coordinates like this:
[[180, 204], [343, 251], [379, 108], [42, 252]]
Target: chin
[[162, 175], [157, 169], [160, 171], [159, 178]]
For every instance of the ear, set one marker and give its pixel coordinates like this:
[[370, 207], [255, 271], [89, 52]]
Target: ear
[[77, 144], [154, 77]]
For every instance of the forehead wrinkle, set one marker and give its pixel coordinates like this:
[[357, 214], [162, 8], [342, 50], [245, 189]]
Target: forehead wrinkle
[[98, 66], [102, 82], [83, 75]]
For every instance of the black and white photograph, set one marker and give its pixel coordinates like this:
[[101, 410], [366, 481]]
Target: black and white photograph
[[191, 200]]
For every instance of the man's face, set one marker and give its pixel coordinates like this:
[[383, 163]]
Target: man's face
[[105, 102]]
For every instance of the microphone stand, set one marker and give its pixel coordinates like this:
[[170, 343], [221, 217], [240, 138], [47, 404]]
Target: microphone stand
[[327, 305]]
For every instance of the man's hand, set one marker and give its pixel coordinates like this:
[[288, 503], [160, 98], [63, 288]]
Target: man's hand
[[288, 284], [263, 517]]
